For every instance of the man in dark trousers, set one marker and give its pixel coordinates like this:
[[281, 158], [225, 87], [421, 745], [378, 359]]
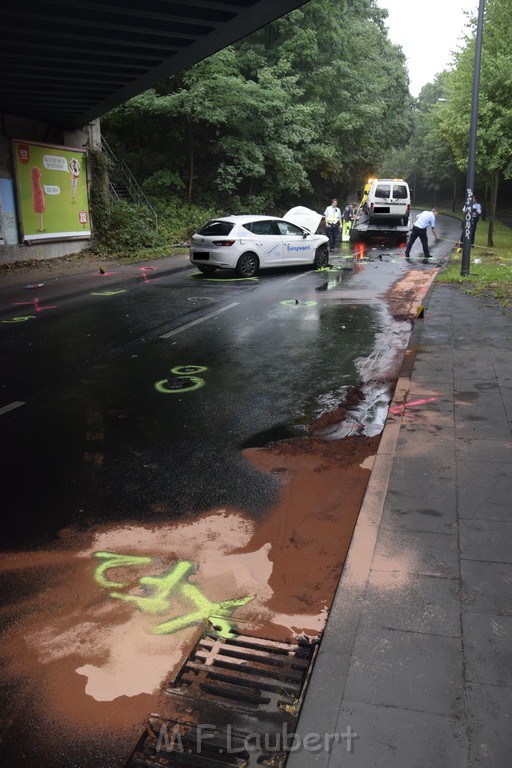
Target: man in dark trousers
[[421, 224], [332, 216]]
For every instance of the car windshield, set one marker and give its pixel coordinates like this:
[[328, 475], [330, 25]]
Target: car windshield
[[216, 228]]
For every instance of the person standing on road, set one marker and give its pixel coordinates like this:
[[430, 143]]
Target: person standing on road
[[348, 217], [421, 224], [332, 215]]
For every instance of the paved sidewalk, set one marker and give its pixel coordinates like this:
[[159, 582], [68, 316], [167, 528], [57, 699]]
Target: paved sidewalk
[[417, 654]]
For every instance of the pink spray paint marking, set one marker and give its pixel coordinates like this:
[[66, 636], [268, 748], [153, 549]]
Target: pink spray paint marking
[[402, 408], [34, 303], [152, 279]]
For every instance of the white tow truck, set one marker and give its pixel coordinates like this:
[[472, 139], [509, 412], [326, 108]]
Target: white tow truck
[[384, 212]]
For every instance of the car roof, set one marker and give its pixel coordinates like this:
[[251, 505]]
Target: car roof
[[399, 181], [241, 218]]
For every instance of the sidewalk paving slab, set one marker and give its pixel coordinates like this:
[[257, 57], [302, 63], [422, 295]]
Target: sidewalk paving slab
[[416, 658]]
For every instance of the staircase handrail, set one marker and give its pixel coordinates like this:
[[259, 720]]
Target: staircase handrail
[[134, 188]]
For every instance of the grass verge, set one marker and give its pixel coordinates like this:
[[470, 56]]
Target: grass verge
[[490, 268]]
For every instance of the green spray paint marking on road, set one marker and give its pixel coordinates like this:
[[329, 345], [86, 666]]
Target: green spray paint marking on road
[[296, 302], [20, 319], [207, 611], [182, 372], [107, 293], [116, 561], [197, 383], [162, 589], [200, 276]]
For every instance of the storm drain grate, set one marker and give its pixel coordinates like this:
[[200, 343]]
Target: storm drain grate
[[245, 672], [234, 703]]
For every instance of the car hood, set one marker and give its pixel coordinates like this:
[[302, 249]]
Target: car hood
[[304, 217]]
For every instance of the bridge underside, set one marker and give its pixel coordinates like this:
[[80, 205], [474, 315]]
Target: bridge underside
[[67, 62]]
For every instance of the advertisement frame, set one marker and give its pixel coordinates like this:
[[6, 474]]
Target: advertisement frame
[[43, 198]]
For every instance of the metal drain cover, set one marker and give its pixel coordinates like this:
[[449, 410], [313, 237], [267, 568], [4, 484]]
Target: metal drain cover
[[235, 702]]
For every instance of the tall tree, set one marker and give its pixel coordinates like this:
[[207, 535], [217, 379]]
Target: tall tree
[[494, 137], [300, 110]]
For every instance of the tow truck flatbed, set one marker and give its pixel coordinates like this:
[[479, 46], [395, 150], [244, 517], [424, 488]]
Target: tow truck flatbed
[[392, 229]]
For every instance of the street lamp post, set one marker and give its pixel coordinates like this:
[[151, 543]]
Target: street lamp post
[[466, 232]]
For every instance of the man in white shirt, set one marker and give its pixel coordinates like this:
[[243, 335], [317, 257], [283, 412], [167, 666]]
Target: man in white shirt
[[332, 215], [423, 221]]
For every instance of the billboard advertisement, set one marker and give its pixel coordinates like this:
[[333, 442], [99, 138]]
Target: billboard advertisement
[[8, 224], [52, 191]]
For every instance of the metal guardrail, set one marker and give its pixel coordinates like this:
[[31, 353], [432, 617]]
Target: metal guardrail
[[129, 181]]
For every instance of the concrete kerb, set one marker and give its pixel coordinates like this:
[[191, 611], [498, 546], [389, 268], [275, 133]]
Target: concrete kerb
[[323, 701]]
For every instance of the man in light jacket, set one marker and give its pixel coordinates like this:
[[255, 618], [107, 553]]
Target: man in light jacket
[[421, 224], [332, 215]]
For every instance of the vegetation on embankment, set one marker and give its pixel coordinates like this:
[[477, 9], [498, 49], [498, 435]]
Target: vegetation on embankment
[[490, 268]]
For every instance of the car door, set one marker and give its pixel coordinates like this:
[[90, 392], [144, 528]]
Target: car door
[[298, 245], [265, 240]]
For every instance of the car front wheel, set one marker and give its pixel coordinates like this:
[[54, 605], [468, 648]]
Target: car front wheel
[[247, 265], [321, 257]]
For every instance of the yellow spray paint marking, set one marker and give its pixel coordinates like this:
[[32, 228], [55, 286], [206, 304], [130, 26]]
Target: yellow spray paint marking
[[207, 610], [20, 319], [116, 561], [162, 588], [107, 293]]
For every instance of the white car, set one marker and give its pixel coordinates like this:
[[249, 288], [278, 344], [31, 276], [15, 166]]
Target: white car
[[248, 243]]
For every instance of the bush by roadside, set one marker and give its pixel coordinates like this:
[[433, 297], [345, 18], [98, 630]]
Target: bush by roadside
[[490, 268], [123, 230]]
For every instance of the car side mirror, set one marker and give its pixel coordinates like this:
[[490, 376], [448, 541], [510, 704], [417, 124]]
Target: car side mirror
[[304, 235]]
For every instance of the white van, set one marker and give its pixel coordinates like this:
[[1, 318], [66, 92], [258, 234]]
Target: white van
[[388, 199]]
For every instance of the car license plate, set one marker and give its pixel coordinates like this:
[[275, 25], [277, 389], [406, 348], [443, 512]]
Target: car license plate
[[203, 255]]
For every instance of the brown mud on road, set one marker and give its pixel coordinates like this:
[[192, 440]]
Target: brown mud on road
[[96, 625]]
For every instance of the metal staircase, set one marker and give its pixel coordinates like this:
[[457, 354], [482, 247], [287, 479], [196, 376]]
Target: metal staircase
[[122, 183]]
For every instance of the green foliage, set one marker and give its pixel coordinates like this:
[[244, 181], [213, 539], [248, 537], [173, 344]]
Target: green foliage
[[130, 229], [442, 115], [491, 270], [124, 227], [302, 109]]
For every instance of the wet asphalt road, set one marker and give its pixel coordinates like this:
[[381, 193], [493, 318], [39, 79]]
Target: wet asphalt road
[[104, 435]]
